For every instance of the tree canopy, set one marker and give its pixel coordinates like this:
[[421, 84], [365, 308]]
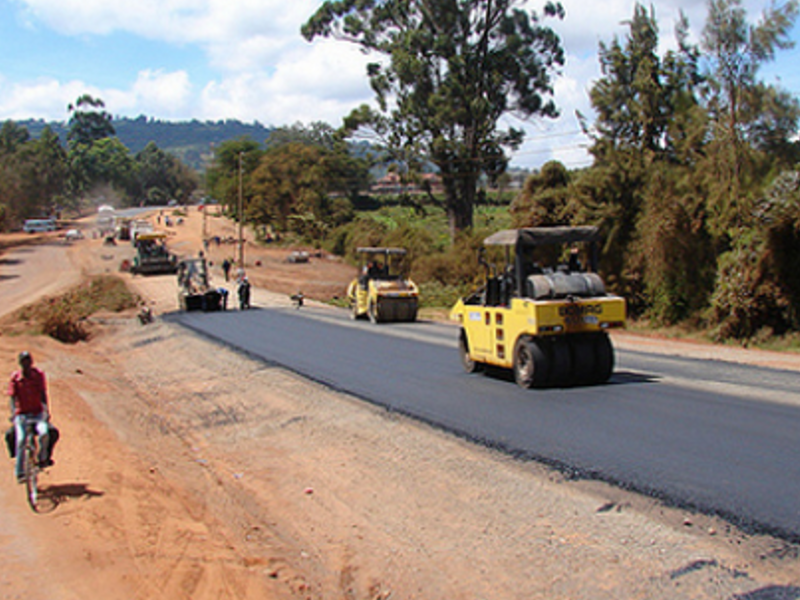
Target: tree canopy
[[40, 177], [450, 71], [88, 123], [687, 146]]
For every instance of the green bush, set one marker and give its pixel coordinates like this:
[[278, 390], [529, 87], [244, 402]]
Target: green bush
[[746, 300]]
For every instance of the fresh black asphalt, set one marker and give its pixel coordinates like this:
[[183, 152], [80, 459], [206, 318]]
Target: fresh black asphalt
[[719, 438]]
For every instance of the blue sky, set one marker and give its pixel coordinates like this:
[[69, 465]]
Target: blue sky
[[245, 59]]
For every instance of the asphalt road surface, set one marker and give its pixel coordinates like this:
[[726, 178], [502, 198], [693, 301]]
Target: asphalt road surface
[[705, 435]]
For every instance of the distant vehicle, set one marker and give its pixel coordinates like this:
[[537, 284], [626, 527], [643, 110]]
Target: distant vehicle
[[105, 218], [73, 234], [123, 228], [38, 225], [298, 256], [138, 228], [152, 256], [194, 289]]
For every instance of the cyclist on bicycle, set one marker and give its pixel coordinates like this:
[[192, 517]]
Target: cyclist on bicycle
[[28, 392]]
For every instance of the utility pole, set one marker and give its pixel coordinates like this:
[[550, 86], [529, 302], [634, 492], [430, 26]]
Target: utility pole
[[205, 224], [241, 216]]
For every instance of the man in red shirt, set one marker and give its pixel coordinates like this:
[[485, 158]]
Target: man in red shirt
[[28, 392]]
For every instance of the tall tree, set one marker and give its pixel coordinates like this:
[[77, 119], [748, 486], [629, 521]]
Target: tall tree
[[88, 123], [450, 72], [49, 170], [159, 177], [545, 198], [12, 136], [229, 176], [321, 135], [628, 135], [648, 138], [736, 50], [110, 162], [629, 99], [32, 173], [297, 180]]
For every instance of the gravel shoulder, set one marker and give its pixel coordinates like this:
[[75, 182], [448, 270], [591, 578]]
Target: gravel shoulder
[[188, 470]]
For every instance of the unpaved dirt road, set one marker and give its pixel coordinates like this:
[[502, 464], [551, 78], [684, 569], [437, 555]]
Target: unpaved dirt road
[[187, 470]]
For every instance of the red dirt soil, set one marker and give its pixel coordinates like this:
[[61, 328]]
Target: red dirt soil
[[187, 470]]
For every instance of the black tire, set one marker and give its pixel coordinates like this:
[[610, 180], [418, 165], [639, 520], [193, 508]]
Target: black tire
[[411, 313], [388, 312], [560, 362], [31, 472], [531, 364], [603, 358], [470, 366], [583, 359]]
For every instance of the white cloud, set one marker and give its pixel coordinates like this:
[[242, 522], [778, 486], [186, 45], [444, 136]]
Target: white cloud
[[167, 95], [45, 98], [262, 69], [98, 17], [156, 92], [318, 83], [588, 24], [236, 34]]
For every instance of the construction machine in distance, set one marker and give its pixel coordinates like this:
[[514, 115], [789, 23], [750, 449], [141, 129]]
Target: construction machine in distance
[[194, 288], [383, 292], [546, 314], [152, 256]]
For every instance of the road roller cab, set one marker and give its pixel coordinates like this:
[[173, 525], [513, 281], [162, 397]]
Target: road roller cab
[[545, 313], [195, 292], [383, 292]]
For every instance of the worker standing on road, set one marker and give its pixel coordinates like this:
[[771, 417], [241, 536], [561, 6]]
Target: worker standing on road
[[223, 296], [244, 293], [226, 268]]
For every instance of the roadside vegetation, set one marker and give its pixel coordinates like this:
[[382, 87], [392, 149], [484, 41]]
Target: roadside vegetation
[[695, 180], [66, 317]]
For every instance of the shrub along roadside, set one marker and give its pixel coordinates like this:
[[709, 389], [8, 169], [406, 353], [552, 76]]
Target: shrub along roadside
[[64, 317]]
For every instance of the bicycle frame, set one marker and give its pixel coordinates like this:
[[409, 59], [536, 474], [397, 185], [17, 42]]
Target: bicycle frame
[[30, 464]]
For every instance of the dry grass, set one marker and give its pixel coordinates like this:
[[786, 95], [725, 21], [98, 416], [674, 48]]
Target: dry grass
[[65, 317]]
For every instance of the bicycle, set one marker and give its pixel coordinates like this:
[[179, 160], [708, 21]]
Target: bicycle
[[30, 465]]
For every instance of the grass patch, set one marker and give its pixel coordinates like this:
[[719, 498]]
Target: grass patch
[[438, 296], [65, 317]]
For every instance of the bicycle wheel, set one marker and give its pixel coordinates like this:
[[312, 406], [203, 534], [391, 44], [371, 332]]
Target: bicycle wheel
[[31, 471]]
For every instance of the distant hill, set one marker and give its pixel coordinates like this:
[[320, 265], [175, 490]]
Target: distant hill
[[191, 141]]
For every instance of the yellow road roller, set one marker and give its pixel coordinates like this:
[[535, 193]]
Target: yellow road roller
[[383, 293], [544, 313]]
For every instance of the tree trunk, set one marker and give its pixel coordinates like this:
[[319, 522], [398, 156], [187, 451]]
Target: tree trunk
[[459, 201]]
